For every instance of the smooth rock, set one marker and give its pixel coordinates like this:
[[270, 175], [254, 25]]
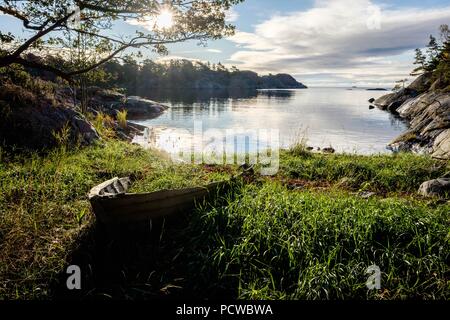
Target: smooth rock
[[435, 188], [394, 100], [441, 145], [110, 102]]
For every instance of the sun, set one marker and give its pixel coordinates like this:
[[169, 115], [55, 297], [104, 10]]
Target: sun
[[164, 20]]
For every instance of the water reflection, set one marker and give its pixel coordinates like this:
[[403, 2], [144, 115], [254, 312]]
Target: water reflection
[[189, 96], [278, 94], [325, 116]]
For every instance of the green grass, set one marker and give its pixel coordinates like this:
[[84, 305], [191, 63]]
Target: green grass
[[44, 206], [262, 240], [397, 173], [272, 243]]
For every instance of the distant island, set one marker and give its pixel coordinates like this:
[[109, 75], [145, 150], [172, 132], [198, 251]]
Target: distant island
[[377, 89], [138, 78]]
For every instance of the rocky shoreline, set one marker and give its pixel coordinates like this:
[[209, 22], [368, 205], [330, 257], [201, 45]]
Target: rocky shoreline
[[41, 120], [427, 110], [110, 102]]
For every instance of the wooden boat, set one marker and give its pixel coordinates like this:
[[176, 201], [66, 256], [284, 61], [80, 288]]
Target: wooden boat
[[112, 204]]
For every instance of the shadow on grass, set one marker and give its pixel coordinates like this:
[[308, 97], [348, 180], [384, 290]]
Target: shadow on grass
[[155, 259], [126, 262]]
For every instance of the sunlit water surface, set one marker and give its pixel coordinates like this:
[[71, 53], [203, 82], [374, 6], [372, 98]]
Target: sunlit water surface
[[336, 117]]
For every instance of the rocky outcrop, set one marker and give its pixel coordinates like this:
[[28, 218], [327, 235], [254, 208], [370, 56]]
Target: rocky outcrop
[[35, 122], [428, 113], [110, 102], [392, 101], [429, 118], [140, 107], [435, 188]]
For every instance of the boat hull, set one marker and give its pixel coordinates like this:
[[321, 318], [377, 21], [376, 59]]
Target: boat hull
[[129, 207]]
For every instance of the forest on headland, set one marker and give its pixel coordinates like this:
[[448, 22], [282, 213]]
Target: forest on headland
[[140, 77]]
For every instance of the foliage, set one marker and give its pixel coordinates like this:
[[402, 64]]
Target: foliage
[[84, 25], [148, 75], [436, 60], [104, 125]]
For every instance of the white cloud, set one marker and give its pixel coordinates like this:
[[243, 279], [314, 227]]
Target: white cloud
[[346, 40], [214, 50], [231, 15]]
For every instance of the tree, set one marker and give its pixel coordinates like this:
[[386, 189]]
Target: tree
[[433, 51], [445, 33], [420, 59], [52, 27], [437, 59]]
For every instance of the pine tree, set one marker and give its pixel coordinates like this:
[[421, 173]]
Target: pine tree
[[420, 60], [433, 51]]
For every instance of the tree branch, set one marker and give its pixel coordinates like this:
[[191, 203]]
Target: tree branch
[[26, 22], [122, 48], [4, 61]]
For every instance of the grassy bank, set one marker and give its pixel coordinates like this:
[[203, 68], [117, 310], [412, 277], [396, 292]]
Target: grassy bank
[[273, 243], [44, 206], [305, 233]]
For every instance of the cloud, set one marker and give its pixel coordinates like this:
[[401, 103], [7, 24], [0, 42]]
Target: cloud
[[348, 40], [214, 50], [231, 15]]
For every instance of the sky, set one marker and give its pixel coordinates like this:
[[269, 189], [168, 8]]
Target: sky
[[320, 42]]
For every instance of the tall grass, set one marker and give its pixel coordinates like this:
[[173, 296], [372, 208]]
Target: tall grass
[[272, 243], [104, 125], [402, 172], [121, 117], [44, 206]]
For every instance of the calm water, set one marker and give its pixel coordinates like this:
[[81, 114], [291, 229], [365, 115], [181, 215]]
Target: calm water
[[335, 117]]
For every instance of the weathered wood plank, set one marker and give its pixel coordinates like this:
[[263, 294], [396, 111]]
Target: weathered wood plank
[[111, 203]]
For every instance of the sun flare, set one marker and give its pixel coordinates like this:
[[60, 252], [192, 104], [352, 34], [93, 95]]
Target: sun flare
[[164, 20]]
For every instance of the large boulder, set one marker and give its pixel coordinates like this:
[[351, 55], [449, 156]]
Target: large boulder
[[422, 83], [393, 101], [441, 145], [30, 121], [110, 102], [138, 107], [435, 188]]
